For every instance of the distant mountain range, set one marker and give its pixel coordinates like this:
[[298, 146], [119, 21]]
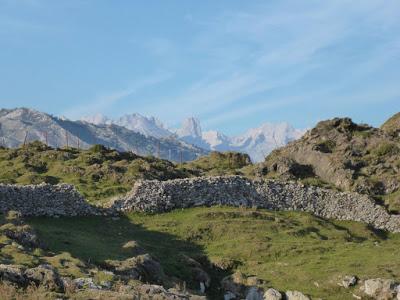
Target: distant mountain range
[[23, 124], [257, 142]]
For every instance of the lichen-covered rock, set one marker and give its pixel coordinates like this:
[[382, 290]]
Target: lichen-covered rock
[[141, 267], [296, 295], [382, 289], [272, 294], [349, 281], [13, 274], [44, 275], [86, 283]]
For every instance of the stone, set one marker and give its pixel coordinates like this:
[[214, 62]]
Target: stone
[[229, 296], [44, 200], [272, 294], [13, 274], [197, 272], [141, 267], [349, 281], [381, 288], [160, 196], [296, 295], [46, 276], [254, 293], [86, 283]]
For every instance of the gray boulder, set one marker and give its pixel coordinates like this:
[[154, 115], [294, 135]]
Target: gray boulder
[[272, 294], [295, 295], [13, 274], [349, 281], [44, 275], [141, 267], [379, 288]]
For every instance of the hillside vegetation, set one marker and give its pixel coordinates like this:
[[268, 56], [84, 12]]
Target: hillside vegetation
[[99, 172], [286, 250], [341, 154]]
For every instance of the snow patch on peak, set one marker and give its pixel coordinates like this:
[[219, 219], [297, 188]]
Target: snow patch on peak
[[190, 128]]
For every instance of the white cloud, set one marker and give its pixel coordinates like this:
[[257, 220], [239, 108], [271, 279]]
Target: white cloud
[[105, 101]]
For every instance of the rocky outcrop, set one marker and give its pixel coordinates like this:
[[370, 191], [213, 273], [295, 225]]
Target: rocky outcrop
[[349, 156], [43, 275], [141, 267], [161, 196], [44, 200], [380, 289]]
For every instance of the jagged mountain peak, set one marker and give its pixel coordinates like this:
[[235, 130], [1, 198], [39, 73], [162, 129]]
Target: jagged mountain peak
[[190, 127]]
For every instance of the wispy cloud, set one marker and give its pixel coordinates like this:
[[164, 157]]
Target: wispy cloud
[[105, 101]]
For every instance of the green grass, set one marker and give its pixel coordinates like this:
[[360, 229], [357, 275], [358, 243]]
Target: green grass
[[288, 250], [98, 173]]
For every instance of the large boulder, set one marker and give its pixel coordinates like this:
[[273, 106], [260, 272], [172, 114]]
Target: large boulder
[[44, 275], [272, 294], [349, 281], [382, 289], [198, 274], [296, 295], [142, 267], [13, 274]]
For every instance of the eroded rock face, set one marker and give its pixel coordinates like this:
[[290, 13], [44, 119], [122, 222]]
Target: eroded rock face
[[161, 196]]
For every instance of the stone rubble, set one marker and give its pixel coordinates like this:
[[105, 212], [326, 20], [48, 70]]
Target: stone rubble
[[44, 200], [160, 196]]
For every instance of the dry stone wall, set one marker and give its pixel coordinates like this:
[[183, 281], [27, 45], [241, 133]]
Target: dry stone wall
[[44, 200], [161, 196]]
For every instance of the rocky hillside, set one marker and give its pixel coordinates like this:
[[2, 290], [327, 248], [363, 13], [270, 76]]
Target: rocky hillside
[[346, 156], [26, 125], [194, 254], [392, 126], [100, 173]]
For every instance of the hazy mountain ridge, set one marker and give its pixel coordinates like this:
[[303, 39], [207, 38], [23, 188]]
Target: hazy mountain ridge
[[17, 125], [257, 142]]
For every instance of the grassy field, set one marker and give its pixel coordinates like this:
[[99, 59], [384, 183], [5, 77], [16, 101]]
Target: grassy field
[[287, 250]]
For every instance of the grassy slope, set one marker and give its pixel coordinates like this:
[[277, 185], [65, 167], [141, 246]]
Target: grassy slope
[[100, 173], [286, 249]]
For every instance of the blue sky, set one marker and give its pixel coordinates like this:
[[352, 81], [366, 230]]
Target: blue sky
[[233, 64]]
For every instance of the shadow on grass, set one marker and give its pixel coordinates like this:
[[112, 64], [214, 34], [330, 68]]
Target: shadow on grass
[[96, 239]]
